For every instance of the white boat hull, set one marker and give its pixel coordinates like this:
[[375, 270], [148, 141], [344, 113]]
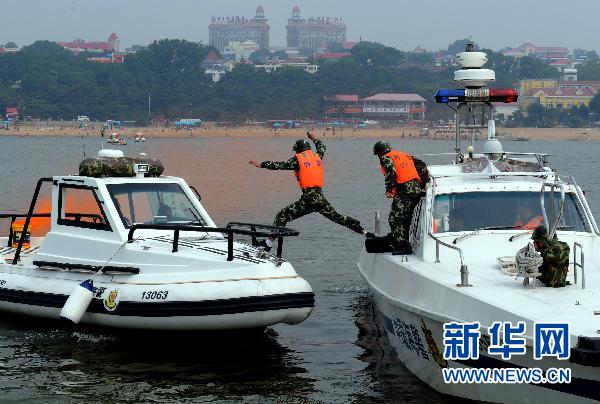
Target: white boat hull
[[416, 336], [204, 305]]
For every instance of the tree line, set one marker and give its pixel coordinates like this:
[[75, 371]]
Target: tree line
[[48, 82]]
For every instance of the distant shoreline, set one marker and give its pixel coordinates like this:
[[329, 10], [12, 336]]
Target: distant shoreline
[[262, 132]]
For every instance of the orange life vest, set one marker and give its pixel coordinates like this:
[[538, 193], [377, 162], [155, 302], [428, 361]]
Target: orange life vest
[[310, 172], [405, 167], [531, 224]]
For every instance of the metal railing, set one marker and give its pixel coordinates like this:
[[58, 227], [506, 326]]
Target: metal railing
[[586, 208], [377, 223], [276, 232], [13, 217], [556, 218], [577, 264], [30, 214], [464, 272]]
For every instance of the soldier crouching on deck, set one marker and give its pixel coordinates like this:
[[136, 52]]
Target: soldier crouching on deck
[[404, 183], [555, 254], [308, 168]]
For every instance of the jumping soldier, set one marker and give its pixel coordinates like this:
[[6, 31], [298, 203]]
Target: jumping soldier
[[308, 168], [555, 254], [405, 178]]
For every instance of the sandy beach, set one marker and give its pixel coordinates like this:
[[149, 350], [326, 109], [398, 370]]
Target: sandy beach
[[262, 132]]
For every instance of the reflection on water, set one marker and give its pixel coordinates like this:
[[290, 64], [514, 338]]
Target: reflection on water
[[391, 378], [337, 355], [93, 364]]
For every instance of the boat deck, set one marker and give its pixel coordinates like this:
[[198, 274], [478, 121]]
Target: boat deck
[[7, 252], [494, 295]]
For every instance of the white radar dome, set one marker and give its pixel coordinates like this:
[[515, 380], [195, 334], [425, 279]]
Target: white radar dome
[[471, 60], [492, 146], [475, 77], [111, 153]]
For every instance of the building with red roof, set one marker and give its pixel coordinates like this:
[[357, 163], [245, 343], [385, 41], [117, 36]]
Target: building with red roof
[[345, 105], [114, 42], [559, 98], [386, 106], [560, 63], [550, 54], [329, 55], [595, 85], [80, 45], [554, 93], [382, 106], [12, 113]]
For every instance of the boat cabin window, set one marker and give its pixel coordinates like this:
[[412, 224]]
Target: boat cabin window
[[157, 203], [505, 210], [79, 206]]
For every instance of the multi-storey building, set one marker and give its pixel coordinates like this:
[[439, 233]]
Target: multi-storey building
[[314, 32], [383, 106], [557, 56], [80, 45], [224, 30], [564, 93], [394, 106]]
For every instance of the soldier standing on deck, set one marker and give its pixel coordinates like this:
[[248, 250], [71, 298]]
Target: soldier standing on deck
[[402, 183], [555, 254], [308, 168]]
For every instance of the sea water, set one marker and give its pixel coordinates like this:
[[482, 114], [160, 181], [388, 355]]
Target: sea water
[[337, 355]]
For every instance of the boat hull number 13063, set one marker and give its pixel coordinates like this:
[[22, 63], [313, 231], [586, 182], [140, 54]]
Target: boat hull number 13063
[[155, 295]]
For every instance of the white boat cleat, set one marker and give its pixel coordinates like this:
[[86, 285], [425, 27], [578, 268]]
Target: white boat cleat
[[154, 258]]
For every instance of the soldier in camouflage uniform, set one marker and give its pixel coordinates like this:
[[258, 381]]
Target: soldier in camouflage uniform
[[312, 198], [556, 258], [405, 194]]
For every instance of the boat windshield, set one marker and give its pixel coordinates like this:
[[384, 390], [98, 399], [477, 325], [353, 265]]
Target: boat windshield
[[507, 210], [159, 203]]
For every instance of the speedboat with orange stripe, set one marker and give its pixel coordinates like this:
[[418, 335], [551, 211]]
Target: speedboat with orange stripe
[[146, 254]]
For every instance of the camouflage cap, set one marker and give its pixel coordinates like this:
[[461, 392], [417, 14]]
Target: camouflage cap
[[301, 145], [381, 147], [540, 233]]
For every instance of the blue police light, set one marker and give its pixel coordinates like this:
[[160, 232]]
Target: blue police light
[[446, 96], [506, 95]]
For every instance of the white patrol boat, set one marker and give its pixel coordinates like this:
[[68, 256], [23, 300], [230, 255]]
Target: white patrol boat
[[476, 215], [140, 252]]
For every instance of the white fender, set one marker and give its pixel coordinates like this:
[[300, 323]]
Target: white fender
[[78, 302]]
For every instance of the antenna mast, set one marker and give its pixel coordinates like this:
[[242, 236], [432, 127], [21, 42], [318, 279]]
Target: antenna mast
[[475, 99]]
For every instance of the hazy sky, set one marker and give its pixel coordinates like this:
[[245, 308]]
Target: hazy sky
[[400, 23]]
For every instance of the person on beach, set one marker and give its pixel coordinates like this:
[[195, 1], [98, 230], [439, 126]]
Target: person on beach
[[308, 169], [405, 178]]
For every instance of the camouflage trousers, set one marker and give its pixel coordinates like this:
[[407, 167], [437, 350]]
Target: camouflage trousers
[[401, 217], [556, 263], [313, 200]]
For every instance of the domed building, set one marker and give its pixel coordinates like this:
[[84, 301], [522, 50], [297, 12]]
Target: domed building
[[224, 30], [314, 32]]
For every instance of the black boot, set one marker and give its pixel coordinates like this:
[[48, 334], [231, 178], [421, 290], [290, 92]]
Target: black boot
[[403, 248], [262, 243]]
